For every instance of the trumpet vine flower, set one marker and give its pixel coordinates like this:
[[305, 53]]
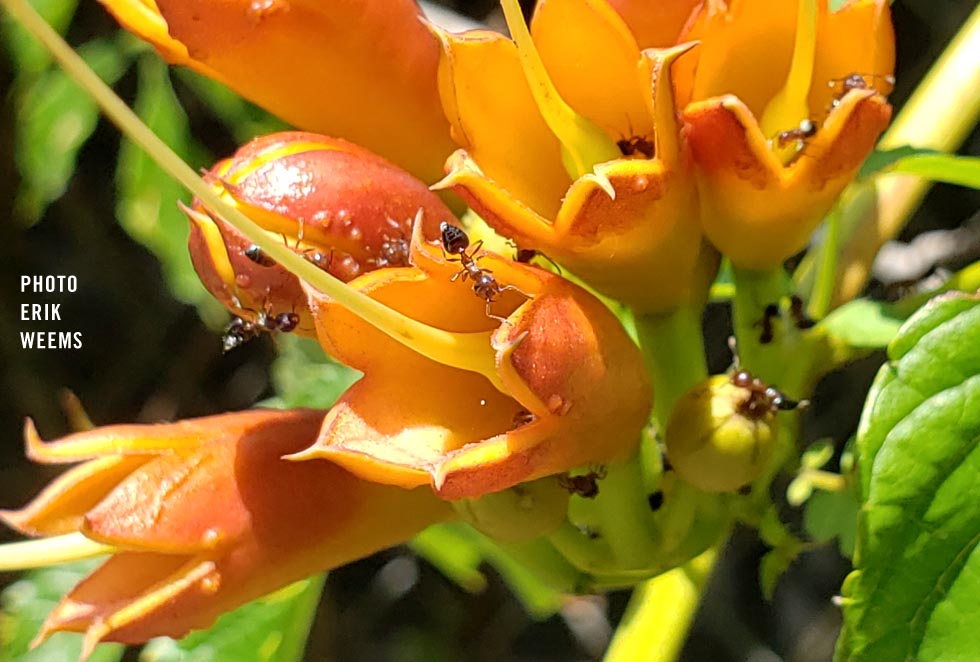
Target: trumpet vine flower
[[623, 214], [556, 385], [204, 515], [786, 101]]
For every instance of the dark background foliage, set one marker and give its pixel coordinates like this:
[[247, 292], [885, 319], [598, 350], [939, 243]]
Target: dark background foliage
[[148, 357]]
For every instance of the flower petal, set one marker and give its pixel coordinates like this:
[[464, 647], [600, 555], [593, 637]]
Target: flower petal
[[745, 50], [226, 523], [301, 59], [494, 117], [655, 24], [755, 210], [857, 38], [610, 63]]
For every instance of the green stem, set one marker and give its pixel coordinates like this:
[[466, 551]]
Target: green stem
[[660, 612], [754, 290], [673, 347], [624, 516], [823, 288]]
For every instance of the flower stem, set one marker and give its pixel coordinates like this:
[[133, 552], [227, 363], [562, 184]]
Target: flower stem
[[754, 292], [673, 347], [50, 551], [823, 288], [467, 351], [660, 612]]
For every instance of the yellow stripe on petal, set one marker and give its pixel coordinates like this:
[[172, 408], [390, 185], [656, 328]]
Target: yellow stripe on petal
[[789, 107], [592, 58], [583, 143]]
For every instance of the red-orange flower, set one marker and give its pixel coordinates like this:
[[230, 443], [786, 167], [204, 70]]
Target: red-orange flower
[[204, 515], [341, 207], [479, 405], [358, 69]]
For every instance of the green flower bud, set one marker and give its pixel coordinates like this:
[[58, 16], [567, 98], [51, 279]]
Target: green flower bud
[[517, 514], [722, 432]]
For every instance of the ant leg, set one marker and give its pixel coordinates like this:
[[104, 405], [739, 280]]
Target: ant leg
[[496, 317], [516, 289]]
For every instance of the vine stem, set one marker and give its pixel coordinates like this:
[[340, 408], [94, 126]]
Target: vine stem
[[660, 613]]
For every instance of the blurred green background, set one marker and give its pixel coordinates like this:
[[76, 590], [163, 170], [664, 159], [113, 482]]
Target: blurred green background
[[75, 200]]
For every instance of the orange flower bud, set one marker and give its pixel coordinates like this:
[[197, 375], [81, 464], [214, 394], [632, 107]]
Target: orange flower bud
[[556, 385], [210, 516], [338, 205]]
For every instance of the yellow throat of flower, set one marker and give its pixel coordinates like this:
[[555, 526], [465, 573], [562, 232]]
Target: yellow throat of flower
[[788, 109]]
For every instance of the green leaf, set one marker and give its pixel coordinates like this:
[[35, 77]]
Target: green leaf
[[454, 554], [863, 323], [458, 551], [147, 206], [29, 56], [830, 515], [879, 160], [913, 593], [273, 628], [927, 163], [25, 605], [304, 376], [54, 119], [946, 168]]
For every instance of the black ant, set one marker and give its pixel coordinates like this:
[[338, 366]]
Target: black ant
[[797, 312], [455, 242], [525, 255], [763, 400], [258, 256], [801, 320], [806, 129], [856, 81], [522, 417], [636, 144], [585, 485], [240, 331]]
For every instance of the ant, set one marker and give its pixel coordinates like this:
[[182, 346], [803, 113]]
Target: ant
[[636, 144], [806, 129], [585, 485], [801, 320], [394, 250], [762, 400], [239, 331], [856, 81], [525, 255], [455, 242], [522, 417], [258, 256]]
